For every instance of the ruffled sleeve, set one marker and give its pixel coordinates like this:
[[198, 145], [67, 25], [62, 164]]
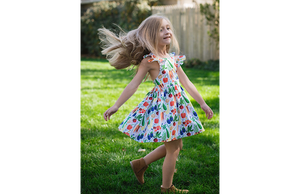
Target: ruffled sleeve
[[153, 58], [179, 59]]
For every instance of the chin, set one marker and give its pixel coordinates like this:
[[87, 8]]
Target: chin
[[167, 42]]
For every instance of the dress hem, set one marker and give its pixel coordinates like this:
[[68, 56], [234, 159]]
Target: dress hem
[[202, 130]]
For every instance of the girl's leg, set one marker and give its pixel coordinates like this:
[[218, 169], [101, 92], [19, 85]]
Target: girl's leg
[[172, 150], [156, 154], [139, 166]]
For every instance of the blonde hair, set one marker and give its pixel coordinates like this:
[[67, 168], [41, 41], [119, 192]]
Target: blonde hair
[[129, 48]]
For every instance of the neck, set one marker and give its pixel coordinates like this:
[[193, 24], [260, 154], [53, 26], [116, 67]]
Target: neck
[[162, 51]]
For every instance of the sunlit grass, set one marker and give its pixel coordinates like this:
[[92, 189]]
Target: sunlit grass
[[106, 152]]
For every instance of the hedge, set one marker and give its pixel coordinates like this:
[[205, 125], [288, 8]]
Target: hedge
[[127, 14], [212, 65]]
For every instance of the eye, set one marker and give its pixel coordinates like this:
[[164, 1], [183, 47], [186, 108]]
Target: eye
[[168, 28]]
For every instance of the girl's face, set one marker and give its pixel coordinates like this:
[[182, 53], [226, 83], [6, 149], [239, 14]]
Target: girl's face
[[165, 34]]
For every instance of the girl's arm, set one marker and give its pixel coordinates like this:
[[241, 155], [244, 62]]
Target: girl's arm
[[192, 90], [130, 89]]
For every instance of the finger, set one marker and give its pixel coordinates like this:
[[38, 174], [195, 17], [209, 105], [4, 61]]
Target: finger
[[211, 114], [207, 115], [106, 114]]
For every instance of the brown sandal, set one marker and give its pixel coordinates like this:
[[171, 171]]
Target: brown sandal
[[173, 189]]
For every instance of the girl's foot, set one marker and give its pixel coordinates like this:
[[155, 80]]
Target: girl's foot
[[173, 189], [139, 167]]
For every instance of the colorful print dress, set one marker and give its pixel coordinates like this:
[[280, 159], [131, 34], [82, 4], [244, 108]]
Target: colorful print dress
[[166, 113]]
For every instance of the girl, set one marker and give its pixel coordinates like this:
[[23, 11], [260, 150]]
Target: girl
[[166, 114]]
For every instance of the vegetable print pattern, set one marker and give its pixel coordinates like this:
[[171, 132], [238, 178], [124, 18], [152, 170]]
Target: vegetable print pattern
[[166, 113]]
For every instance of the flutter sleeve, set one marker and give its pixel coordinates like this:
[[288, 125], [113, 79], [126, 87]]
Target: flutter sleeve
[[153, 58], [179, 59]]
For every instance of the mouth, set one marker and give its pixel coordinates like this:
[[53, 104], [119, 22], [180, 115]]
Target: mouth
[[167, 37]]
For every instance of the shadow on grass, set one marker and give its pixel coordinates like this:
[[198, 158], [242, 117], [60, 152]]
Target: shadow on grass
[[114, 75], [202, 77], [111, 73], [87, 59]]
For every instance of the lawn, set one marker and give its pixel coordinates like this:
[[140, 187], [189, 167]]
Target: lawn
[[106, 152]]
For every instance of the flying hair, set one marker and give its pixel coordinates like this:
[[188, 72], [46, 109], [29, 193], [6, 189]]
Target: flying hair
[[126, 49]]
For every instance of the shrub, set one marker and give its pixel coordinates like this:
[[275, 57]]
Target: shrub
[[212, 65], [192, 63], [127, 14]]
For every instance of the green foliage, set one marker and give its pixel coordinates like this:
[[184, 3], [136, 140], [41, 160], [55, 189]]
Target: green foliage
[[211, 13], [212, 65], [155, 2], [127, 14], [204, 9]]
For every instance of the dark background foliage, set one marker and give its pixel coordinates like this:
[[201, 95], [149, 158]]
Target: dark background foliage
[[212, 65], [126, 14]]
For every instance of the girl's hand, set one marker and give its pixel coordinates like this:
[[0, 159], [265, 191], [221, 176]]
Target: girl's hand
[[209, 113], [112, 110]]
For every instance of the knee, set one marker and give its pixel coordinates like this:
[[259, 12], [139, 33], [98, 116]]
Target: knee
[[176, 153], [179, 147], [174, 147]]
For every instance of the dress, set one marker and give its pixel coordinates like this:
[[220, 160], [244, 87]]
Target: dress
[[166, 113]]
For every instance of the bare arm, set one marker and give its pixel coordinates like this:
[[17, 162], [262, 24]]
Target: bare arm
[[192, 90], [129, 90]]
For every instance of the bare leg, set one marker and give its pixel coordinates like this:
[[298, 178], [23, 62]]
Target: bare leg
[[156, 154], [172, 150]]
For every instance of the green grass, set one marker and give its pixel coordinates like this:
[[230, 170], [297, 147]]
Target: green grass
[[106, 152]]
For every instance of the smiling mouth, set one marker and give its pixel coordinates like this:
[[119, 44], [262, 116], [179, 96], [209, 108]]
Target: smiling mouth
[[167, 37]]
